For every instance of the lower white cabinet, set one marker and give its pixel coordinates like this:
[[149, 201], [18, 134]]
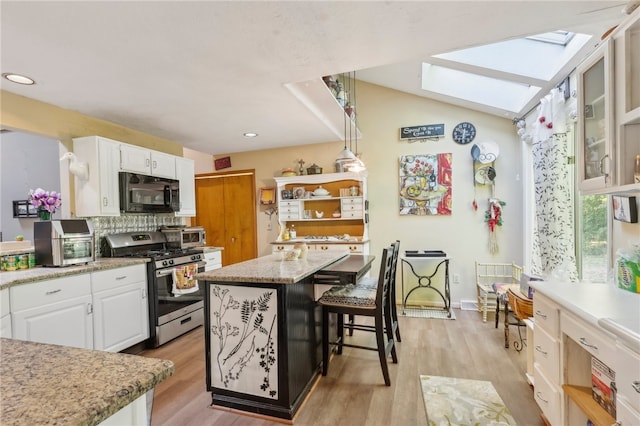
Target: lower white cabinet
[[120, 308], [213, 260], [105, 310], [55, 311], [5, 314]]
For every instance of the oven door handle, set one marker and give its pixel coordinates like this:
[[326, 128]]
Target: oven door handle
[[169, 271]]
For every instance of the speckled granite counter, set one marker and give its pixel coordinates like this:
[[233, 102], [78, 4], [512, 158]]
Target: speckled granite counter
[[22, 276], [48, 384], [269, 269]]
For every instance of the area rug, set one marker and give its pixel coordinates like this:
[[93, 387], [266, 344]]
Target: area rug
[[451, 401], [418, 312]]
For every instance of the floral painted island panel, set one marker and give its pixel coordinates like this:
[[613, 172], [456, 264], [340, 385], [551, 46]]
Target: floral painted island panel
[[244, 340], [425, 184]]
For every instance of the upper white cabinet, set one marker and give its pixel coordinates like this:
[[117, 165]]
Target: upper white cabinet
[[627, 100], [145, 161], [609, 112], [595, 118], [185, 173], [99, 195]]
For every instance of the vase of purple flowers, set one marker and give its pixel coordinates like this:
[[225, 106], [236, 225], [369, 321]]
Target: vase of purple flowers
[[45, 201]]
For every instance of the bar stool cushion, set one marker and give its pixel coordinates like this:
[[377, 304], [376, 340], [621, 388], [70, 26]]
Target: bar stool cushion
[[349, 295]]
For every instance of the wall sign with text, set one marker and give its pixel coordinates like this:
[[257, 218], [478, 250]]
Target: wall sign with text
[[425, 131]]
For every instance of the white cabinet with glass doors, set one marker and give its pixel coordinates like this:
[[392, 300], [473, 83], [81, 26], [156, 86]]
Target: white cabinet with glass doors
[[595, 118]]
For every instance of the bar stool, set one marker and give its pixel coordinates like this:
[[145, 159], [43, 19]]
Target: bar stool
[[362, 301]]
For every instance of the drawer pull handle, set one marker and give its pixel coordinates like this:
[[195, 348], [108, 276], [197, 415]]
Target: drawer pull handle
[[48, 293], [636, 385], [539, 349], [121, 277], [539, 396], [584, 342], [541, 315]]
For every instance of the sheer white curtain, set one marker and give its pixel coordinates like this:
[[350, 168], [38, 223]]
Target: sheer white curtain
[[552, 242]]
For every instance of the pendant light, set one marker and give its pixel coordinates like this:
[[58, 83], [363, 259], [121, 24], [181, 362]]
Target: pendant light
[[347, 160]]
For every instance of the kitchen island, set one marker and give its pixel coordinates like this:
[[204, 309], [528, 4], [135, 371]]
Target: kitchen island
[[51, 384], [263, 333]]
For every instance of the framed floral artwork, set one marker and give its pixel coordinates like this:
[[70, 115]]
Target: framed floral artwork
[[425, 184]]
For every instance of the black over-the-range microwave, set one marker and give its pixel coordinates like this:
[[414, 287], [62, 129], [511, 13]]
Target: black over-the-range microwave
[[148, 194]]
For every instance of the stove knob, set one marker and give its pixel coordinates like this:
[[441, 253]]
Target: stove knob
[[171, 262], [164, 263]]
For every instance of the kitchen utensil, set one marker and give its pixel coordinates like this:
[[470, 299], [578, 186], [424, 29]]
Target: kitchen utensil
[[320, 191]]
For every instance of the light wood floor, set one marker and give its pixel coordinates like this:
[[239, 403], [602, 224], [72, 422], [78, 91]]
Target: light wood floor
[[353, 393]]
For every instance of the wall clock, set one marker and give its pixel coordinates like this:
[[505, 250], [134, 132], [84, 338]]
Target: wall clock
[[464, 133]]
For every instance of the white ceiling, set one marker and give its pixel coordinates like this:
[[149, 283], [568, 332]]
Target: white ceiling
[[202, 73]]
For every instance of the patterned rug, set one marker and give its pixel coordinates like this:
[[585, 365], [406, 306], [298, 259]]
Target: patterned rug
[[451, 401], [437, 313]]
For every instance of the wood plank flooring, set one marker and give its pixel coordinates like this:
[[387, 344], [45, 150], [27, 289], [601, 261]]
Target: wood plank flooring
[[353, 393]]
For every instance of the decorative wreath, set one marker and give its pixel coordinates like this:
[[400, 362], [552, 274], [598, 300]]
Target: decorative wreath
[[493, 217]]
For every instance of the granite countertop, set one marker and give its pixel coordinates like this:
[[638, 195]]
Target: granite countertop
[[49, 384], [601, 305], [22, 276], [270, 269]]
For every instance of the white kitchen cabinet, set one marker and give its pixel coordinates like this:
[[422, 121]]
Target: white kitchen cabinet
[[146, 161], [99, 195], [5, 314], [627, 368], [120, 307], [596, 135], [57, 311], [213, 260], [185, 173], [546, 356]]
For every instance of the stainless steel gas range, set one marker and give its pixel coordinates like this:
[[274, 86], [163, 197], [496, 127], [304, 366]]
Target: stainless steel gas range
[[176, 300]]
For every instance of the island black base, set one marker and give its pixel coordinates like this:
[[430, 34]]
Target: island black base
[[263, 345]]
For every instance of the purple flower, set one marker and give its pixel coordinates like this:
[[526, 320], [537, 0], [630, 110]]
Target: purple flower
[[49, 201]]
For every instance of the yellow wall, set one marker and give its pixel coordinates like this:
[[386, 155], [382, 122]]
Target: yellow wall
[[29, 115]]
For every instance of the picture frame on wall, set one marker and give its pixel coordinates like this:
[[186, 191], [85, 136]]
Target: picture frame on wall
[[625, 208]]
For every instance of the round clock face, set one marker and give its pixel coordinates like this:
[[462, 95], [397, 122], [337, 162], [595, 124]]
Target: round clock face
[[464, 133]]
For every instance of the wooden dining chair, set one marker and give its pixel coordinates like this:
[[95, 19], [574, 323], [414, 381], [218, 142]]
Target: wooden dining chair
[[362, 301], [391, 300]]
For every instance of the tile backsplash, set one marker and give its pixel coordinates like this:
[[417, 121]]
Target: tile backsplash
[[106, 225]]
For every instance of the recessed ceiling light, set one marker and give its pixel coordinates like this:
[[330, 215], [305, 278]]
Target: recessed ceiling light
[[17, 78], [250, 135]]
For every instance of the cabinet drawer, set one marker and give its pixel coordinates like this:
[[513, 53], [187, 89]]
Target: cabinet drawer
[[356, 248], [348, 206], [546, 353], [111, 278], [40, 293], [289, 204], [355, 201], [213, 257], [593, 341], [626, 415], [628, 375], [547, 396], [356, 214], [289, 216], [546, 315]]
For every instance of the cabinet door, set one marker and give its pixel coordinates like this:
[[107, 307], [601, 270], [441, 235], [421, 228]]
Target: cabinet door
[[67, 323], [595, 118], [185, 173], [163, 165], [109, 154], [5, 311], [121, 317], [135, 159], [99, 195]]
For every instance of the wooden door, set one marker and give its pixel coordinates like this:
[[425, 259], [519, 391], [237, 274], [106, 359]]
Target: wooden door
[[226, 208]]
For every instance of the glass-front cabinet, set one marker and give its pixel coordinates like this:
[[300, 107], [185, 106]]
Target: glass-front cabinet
[[596, 136]]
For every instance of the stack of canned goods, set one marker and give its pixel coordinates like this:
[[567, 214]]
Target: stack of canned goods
[[13, 262]]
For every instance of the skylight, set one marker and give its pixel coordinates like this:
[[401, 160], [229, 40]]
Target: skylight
[[506, 75]]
